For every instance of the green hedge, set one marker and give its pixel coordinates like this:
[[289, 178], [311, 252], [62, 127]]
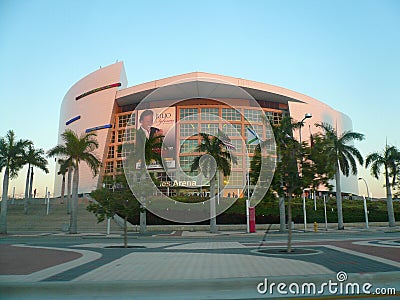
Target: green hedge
[[267, 211]]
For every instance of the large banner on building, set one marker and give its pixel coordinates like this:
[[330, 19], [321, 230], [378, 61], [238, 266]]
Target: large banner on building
[[159, 121]]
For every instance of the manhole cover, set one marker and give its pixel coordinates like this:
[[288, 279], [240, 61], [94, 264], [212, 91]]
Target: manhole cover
[[283, 251]]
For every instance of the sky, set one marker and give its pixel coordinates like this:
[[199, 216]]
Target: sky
[[343, 53]]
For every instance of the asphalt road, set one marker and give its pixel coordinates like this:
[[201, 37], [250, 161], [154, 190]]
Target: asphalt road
[[157, 237]]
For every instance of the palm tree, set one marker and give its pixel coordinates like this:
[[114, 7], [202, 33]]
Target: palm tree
[[148, 153], [286, 179], [215, 147], [396, 179], [283, 133], [62, 171], [341, 156], [11, 158], [389, 159], [66, 167], [77, 149], [34, 158]]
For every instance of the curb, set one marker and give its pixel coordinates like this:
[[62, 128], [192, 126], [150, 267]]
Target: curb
[[232, 288]]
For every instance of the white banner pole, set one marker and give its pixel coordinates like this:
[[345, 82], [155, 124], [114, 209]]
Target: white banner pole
[[326, 219]]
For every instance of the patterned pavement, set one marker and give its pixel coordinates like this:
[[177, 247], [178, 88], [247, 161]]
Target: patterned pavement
[[159, 259], [202, 259]]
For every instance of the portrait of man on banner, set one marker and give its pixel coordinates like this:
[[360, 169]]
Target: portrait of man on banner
[[157, 122]]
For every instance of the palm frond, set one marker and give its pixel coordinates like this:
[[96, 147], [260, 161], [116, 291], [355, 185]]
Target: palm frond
[[195, 164], [353, 151], [349, 136], [59, 150], [373, 157], [12, 153]]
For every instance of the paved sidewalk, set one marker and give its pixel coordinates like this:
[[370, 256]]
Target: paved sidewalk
[[190, 265]]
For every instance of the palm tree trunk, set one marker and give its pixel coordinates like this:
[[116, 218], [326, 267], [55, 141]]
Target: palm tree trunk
[[27, 190], [289, 242], [4, 202], [282, 214], [143, 211], [143, 220], [126, 231], [74, 205], [389, 200], [69, 190], [62, 188], [339, 199], [30, 186], [213, 217]]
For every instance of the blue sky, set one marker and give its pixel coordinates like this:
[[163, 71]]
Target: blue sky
[[344, 53]]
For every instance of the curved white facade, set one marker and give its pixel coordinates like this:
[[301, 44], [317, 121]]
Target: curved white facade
[[99, 101], [94, 110]]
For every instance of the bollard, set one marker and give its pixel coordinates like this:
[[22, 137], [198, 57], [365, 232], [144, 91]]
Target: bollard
[[315, 227]]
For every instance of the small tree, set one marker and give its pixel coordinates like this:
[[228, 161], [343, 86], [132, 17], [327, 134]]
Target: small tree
[[316, 171], [290, 179], [286, 179], [119, 201]]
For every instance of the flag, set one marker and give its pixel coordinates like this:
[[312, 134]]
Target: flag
[[252, 137], [225, 140]]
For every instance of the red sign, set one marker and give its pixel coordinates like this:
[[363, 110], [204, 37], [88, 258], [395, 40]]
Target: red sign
[[252, 219]]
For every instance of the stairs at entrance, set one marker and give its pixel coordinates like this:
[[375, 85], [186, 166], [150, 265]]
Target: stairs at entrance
[[56, 221]]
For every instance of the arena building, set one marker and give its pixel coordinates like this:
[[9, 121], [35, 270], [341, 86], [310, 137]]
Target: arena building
[[102, 102]]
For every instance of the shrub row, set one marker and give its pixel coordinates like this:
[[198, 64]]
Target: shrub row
[[267, 212]]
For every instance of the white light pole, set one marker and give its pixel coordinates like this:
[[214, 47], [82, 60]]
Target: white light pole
[[306, 116], [326, 219], [315, 200], [304, 210], [48, 203], [218, 188], [365, 204], [13, 197], [109, 219], [365, 213], [360, 178]]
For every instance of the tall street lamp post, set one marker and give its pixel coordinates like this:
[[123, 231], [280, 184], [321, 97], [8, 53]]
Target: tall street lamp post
[[366, 185], [306, 116], [365, 204]]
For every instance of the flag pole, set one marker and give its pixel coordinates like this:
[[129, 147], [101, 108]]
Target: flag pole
[[251, 138], [248, 199]]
